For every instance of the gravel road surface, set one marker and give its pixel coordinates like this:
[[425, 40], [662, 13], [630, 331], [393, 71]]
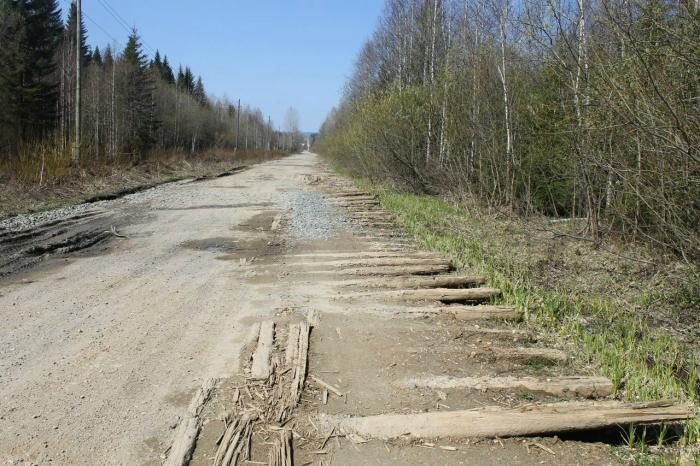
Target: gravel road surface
[[101, 349]]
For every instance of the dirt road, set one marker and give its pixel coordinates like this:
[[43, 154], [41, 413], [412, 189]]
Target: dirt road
[[103, 349], [100, 350]]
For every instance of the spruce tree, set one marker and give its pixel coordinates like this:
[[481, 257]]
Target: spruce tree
[[30, 32], [167, 72], [156, 62], [188, 81], [70, 35], [137, 95], [108, 59], [97, 57], [199, 94], [180, 79]]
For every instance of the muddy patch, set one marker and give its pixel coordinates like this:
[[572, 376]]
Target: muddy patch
[[257, 223], [212, 245], [21, 249]]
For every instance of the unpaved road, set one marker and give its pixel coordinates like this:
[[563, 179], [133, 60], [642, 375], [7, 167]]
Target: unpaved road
[[102, 349]]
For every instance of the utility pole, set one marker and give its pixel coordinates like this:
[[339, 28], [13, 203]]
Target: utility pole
[[269, 133], [78, 56], [238, 128]]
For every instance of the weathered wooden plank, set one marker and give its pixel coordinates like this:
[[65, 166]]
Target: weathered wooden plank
[[586, 387], [502, 422], [290, 354], [378, 262], [520, 354], [511, 334], [480, 312], [187, 431], [367, 254], [385, 271], [261, 367], [446, 295]]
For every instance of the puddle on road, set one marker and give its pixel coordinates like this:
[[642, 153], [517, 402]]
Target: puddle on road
[[259, 222], [212, 245]]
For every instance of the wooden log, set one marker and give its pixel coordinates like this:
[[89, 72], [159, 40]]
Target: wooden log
[[445, 295], [439, 281], [301, 364], [511, 334], [290, 355], [349, 194], [585, 387], [481, 312], [253, 333], [378, 262], [416, 282], [379, 225], [527, 354], [547, 419], [374, 214], [365, 208], [348, 199], [261, 367], [520, 354], [187, 431], [368, 254], [397, 271], [361, 204], [358, 198]]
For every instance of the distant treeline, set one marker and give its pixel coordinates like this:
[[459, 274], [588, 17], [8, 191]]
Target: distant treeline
[[573, 108], [131, 106]]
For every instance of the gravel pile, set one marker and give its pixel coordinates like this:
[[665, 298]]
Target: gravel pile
[[313, 217]]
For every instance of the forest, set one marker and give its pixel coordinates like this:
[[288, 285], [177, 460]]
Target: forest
[[574, 109], [132, 107]]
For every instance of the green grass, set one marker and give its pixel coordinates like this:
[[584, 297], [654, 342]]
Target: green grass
[[643, 362]]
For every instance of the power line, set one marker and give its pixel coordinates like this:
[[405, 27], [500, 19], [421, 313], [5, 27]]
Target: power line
[[107, 33], [119, 43], [122, 22]]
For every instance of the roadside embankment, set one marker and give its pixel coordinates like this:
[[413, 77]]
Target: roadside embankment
[[110, 179]]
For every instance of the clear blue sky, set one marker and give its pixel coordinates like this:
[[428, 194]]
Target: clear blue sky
[[273, 54]]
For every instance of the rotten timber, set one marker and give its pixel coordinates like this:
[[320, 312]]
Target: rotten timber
[[378, 262], [472, 313], [368, 254], [261, 367], [439, 281], [445, 295], [585, 387], [391, 271], [187, 431], [499, 422], [519, 354]]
